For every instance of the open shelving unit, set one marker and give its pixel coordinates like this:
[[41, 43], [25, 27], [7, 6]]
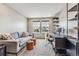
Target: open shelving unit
[[72, 22], [55, 23], [72, 28], [74, 8]]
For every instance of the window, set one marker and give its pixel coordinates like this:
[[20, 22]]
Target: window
[[36, 26], [44, 26], [40, 26]]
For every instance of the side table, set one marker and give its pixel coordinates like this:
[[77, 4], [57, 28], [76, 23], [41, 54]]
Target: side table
[[29, 45], [34, 40]]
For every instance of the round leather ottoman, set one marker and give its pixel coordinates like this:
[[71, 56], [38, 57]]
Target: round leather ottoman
[[34, 40], [29, 45]]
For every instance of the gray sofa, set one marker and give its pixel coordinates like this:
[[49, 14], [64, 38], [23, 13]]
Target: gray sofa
[[14, 46]]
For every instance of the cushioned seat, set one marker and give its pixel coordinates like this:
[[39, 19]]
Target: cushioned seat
[[15, 42]]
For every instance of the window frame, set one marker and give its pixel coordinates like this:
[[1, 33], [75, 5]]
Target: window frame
[[40, 20]]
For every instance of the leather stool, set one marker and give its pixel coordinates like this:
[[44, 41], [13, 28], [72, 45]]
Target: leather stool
[[29, 45]]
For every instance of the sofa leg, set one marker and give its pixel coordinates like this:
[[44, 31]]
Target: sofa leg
[[16, 54]]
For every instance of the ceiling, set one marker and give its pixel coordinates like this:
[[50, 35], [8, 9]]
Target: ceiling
[[37, 9]]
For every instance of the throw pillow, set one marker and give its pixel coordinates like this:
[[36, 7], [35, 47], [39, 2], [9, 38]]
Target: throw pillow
[[20, 34], [15, 35], [7, 36], [24, 34]]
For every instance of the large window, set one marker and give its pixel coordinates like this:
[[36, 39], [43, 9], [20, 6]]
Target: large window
[[40, 26]]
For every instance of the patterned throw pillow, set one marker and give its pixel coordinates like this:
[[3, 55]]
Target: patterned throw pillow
[[7, 36]]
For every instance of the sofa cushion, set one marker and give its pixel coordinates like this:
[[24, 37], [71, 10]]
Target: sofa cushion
[[15, 35], [23, 40], [7, 36]]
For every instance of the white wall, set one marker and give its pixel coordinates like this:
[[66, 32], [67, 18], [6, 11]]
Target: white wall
[[63, 18], [11, 21]]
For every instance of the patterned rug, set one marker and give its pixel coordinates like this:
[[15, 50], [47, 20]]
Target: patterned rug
[[42, 48]]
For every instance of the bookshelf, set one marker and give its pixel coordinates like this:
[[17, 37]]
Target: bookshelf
[[55, 23], [72, 21], [72, 27]]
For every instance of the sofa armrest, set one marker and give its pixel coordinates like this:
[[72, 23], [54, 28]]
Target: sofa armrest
[[11, 45]]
